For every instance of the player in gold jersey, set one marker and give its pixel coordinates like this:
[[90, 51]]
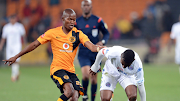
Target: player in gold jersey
[[64, 42]]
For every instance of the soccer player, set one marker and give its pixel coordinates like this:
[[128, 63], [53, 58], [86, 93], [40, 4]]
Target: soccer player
[[12, 34], [64, 42], [90, 25], [175, 35], [122, 66]]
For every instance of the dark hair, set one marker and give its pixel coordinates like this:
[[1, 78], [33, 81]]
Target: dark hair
[[13, 16], [128, 56]]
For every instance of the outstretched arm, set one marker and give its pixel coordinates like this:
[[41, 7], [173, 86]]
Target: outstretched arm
[[29, 48], [95, 67], [92, 47]]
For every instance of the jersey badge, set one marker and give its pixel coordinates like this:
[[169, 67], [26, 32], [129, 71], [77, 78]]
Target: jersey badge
[[94, 32], [65, 45], [130, 68], [66, 77], [72, 39], [108, 84]]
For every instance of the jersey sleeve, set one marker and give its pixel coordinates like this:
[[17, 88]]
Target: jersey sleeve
[[103, 29], [83, 38], [44, 38], [22, 29]]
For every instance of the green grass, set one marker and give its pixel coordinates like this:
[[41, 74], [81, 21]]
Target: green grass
[[162, 83]]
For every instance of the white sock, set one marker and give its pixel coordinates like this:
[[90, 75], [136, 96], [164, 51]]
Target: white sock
[[15, 70]]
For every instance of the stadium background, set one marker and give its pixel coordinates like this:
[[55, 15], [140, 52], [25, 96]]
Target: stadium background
[[48, 12]]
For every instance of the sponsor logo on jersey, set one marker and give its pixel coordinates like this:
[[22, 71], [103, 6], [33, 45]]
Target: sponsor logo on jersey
[[66, 46], [42, 35], [66, 77], [107, 50], [108, 84], [72, 39]]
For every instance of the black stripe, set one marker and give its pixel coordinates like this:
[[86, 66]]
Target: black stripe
[[76, 43]]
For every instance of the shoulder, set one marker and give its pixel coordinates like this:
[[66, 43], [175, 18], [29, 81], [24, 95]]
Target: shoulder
[[76, 30], [99, 19], [176, 24]]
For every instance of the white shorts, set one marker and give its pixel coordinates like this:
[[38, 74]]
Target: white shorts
[[109, 83]]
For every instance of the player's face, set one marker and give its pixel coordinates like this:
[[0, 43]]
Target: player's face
[[69, 21], [13, 20], [86, 7], [124, 64]]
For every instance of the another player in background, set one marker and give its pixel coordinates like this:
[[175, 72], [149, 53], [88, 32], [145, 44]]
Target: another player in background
[[64, 42], [90, 25], [175, 36], [12, 34], [123, 65]]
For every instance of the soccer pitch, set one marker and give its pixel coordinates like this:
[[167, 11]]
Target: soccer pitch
[[162, 82]]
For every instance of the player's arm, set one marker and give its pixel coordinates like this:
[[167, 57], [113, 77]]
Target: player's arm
[[140, 84], [29, 48], [92, 47], [2, 43], [95, 67]]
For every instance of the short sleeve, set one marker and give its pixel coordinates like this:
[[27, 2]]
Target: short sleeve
[[83, 38], [44, 38], [22, 29], [173, 32]]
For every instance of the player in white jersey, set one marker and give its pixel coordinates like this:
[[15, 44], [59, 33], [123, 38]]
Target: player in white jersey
[[12, 34], [124, 66], [175, 35]]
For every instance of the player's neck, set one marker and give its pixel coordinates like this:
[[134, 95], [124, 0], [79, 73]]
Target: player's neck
[[87, 16], [65, 30]]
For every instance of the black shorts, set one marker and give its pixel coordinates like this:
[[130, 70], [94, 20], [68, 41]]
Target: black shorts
[[62, 76]]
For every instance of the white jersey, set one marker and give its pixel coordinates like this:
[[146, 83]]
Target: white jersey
[[113, 55], [175, 34], [13, 33]]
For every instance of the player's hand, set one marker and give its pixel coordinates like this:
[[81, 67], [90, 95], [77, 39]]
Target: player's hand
[[91, 72], [100, 47], [10, 61]]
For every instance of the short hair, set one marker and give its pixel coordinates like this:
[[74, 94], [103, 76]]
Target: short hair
[[128, 56], [87, 1], [13, 16]]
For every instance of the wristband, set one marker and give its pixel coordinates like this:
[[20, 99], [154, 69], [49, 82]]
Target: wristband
[[97, 49]]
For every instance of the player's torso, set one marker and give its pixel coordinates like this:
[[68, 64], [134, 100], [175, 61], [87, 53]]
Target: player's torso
[[13, 35], [65, 44]]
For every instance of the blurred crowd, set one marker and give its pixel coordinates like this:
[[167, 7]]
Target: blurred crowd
[[154, 25]]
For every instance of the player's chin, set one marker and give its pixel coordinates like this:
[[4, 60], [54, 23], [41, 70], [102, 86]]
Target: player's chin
[[71, 27]]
